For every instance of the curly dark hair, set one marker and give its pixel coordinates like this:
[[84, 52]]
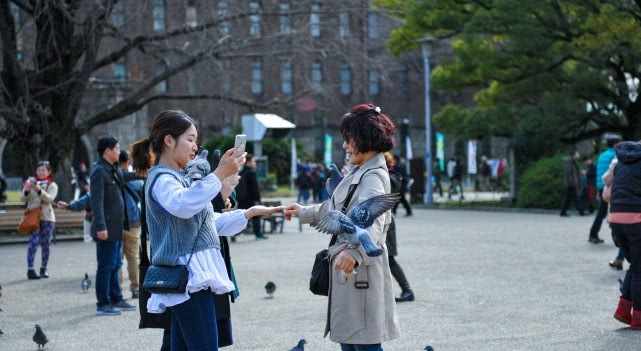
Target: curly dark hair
[[370, 129]]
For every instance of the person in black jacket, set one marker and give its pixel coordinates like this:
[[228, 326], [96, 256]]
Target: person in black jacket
[[108, 221], [248, 193]]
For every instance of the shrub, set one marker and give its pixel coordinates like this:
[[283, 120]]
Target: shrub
[[541, 185]]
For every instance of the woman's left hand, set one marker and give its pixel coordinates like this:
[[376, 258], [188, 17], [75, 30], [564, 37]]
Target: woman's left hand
[[345, 262], [228, 184], [260, 210]]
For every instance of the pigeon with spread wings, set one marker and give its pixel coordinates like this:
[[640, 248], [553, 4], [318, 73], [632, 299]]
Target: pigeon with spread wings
[[352, 228], [334, 178]]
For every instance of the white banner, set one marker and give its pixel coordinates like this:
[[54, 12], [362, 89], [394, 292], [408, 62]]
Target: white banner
[[471, 156]]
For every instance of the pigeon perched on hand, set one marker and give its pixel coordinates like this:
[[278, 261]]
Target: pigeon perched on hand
[[197, 168], [40, 338], [300, 346], [334, 178], [86, 283], [270, 287], [352, 228]]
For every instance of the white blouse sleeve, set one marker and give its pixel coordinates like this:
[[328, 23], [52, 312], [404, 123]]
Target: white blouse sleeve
[[230, 223], [185, 202]]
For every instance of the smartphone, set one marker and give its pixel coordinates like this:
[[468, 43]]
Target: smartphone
[[241, 141]]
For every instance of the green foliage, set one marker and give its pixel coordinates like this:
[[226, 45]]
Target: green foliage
[[570, 64], [541, 185]]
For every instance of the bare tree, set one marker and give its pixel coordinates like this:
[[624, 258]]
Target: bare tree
[[53, 52]]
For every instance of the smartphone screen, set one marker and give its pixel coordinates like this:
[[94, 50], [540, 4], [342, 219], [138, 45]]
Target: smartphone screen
[[241, 140]]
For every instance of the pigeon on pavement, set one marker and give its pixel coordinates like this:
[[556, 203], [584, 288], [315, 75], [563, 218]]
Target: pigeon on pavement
[[352, 228], [270, 287], [300, 346], [40, 338], [86, 283], [334, 178], [428, 348]]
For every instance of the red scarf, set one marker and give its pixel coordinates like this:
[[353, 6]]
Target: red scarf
[[48, 179]]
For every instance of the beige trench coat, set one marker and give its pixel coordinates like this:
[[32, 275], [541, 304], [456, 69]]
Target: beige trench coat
[[45, 200], [360, 316]]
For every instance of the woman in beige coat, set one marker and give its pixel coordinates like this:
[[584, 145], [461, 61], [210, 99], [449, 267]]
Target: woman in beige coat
[[41, 192], [361, 309]]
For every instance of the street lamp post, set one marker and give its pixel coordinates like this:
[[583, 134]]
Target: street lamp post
[[426, 46]]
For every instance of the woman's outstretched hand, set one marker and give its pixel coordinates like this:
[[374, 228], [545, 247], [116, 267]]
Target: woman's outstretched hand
[[260, 210], [292, 210]]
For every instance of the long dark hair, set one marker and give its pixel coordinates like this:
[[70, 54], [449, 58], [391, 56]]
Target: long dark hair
[[145, 151]]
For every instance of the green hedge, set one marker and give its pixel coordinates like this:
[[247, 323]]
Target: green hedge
[[541, 185]]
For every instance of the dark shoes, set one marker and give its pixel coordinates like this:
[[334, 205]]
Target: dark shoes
[[406, 295], [563, 214], [616, 264], [135, 294], [261, 237], [43, 273], [31, 274], [595, 240]]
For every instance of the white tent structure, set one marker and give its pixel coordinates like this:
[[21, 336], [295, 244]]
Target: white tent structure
[[256, 125]]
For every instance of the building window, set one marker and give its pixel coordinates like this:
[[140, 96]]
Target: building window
[[286, 77], [191, 14], [317, 76], [315, 21], [161, 67], [402, 79], [372, 25], [159, 14], [374, 85], [343, 24], [223, 12], [285, 20], [257, 77], [120, 70], [254, 19], [118, 15], [346, 79]]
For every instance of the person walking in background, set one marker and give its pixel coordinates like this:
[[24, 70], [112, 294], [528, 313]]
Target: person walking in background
[[82, 179], [109, 219], [589, 185], [182, 226], [40, 191], [359, 319], [248, 193], [602, 165], [390, 240], [572, 181], [131, 236], [625, 221], [304, 184], [608, 178], [485, 172], [457, 180], [401, 169]]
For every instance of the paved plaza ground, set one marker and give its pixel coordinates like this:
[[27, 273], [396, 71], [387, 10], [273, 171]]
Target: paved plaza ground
[[484, 280]]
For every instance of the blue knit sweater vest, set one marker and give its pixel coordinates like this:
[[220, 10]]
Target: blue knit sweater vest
[[171, 237]]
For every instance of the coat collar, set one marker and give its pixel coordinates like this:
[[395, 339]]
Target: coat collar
[[375, 162]]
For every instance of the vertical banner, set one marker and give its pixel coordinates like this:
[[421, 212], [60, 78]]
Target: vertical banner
[[408, 153], [328, 149], [293, 168], [471, 156], [440, 151]]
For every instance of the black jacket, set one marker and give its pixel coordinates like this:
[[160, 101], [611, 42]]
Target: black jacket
[[107, 199], [626, 187]]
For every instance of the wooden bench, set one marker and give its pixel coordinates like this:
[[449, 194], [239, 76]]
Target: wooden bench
[[275, 219], [65, 220]]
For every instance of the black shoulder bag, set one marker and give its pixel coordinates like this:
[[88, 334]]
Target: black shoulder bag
[[319, 279]]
